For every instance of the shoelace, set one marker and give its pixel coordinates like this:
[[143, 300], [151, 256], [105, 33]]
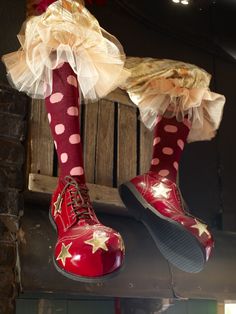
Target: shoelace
[[80, 201]]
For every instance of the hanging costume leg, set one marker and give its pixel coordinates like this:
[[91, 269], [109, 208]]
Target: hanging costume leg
[[85, 250], [177, 114], [62, 50]]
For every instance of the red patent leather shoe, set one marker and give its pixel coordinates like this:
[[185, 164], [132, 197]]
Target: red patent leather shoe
[[85, 250], [184, 240]]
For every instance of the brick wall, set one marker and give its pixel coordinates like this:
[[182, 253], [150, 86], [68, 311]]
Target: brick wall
[[13, 109]]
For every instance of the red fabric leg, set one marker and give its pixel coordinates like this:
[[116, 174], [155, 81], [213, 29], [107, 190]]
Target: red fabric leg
[[170, 137], [63, 114]]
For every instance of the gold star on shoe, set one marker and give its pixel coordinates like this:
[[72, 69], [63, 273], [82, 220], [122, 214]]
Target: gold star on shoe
[[121, 242], [202, 228], [57, 205], [98, 241], [161, 190], [64, 254]]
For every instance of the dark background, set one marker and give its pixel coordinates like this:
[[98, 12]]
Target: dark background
[[201, 33]]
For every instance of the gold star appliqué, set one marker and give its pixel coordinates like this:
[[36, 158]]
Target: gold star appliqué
[[57, 205], [121, 242], [161, 190], [122, 246], [64, 254], [98, 241], [202, 228]]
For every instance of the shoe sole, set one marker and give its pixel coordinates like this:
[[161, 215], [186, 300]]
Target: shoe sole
[[82, 278], [176, 244]]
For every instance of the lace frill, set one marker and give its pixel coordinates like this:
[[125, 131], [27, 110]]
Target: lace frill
[[174, 88], [66, 32]]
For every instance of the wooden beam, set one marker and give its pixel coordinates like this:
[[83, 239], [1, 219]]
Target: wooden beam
[[98, 193], [120, 96], [146, 273], [220, 308]]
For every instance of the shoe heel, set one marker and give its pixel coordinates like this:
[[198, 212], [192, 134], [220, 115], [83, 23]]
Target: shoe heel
[[51, 220], [131, 202]]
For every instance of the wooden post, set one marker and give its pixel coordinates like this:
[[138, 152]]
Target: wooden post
[[127, 143], [105, 144]]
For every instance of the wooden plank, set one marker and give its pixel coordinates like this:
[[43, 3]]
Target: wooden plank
[[120, 96], [41, 142], [52, 306], [105, 144], [220, 308], [91, 306], [89, 139], [146, 144], [98, 193], [127, 143]]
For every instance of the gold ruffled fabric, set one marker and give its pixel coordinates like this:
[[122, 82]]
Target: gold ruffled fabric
[[174, 88], [66, 32]]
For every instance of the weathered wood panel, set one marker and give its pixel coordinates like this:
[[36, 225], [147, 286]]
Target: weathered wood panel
[[89, 139], [127, 143], [41, 144], [98, 193], [220, 308], [146, 140], [105, 144], [119, 95]]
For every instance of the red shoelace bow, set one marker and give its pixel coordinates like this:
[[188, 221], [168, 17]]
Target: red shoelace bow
[[43, 4]]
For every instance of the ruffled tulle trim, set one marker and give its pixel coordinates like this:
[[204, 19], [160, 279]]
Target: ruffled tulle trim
[[166, 89], [203, 108], [66, 32]]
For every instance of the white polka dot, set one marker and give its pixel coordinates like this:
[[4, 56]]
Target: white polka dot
[[49, 117], [74, 139], [77, 171], [57, 97], [170, 128], [73, 111], [180, 143], [167, 151], [156, 140], [71, 79], [55, 144], [59, 129], [64, 157], [176, 165], [164, 172], [155, 161]]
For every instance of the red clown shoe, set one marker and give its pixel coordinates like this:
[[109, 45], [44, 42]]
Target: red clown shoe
[[184, 240], [85, 250]]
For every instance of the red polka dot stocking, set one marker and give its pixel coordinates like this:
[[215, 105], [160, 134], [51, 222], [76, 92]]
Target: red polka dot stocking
[[170, 137], [63, 114]]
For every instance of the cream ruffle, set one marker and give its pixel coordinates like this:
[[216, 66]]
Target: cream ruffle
[[66, 32], [174, 88]]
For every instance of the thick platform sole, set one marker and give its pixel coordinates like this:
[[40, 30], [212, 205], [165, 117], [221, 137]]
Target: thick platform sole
[[85, 279], [176, 244]]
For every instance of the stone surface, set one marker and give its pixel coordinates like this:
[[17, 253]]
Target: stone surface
[[11, 202], [11, 176], [7, 306], [12, 126], [11, 152], [11, 101]]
